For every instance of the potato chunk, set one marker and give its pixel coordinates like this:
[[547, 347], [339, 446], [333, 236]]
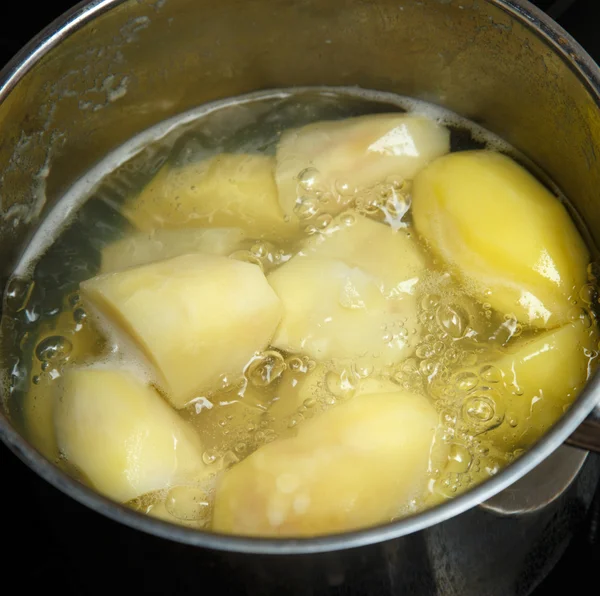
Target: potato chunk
[[536, 381], [355, 465], [196, 317], [122, 435], [228, 190], [392, 257], [142, 248], [504, 232], [331, 310], [354, 155]]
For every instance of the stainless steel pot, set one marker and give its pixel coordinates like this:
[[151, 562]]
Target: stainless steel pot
[[109, 69]]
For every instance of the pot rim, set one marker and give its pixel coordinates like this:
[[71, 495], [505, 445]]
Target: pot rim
[[587, 72]]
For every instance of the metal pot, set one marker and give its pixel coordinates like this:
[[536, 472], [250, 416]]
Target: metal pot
[[109, 69]]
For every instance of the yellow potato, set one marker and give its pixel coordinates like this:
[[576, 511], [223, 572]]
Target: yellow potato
[[537, 380], [38, 406], [142, 247], [508, 236], [351, 155], [122, 435], [195, 317], [391, 257], [355, 465], [331, 310], [228, 190]]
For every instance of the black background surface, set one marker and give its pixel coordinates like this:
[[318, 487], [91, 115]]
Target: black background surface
[[53, 543]]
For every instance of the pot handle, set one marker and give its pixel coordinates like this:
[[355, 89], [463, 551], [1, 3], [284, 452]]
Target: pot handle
[[587, 434]]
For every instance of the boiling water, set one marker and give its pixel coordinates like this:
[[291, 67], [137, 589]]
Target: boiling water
[[45, 326]]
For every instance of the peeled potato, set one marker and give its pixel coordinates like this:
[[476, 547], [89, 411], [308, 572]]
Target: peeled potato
[[504, 232], [122, 435], [391, 257], [195, 317], [228, 190], [537, 380], [83, 342], [331, 310], [355, 465], [142, 248], [351, 155]]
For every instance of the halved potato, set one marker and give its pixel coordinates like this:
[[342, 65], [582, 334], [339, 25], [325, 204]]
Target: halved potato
[[146, 247], [355, 465], [355, 154], [196, 317], [228, 190], [332, 310], [508, 236], [122, 435]]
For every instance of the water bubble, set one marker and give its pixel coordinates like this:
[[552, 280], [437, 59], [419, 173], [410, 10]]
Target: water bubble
[[466, 381], [250, 427], [35, 379], [362, 369], [247, 257], [187, 503], [427, 367], [588, 293], [344, 188], [296, 364], [210, 457], [513, 422], [452, 320], [310, 230], [264, 369], [459, 459], [323, 221], [53, 349], [74, 299], [308, 179], [582, 315], [306, 207], [341, 385], [240, 447], [46, 366], [490, 374], [348, 219], [260, 249], [479, 409], [439, 347], [424, 351], [310, 402], [452, 356], [593, 271], [79, 315], [18, 293]]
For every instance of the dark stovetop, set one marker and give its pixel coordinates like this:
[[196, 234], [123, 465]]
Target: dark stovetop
[[75, 550]]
